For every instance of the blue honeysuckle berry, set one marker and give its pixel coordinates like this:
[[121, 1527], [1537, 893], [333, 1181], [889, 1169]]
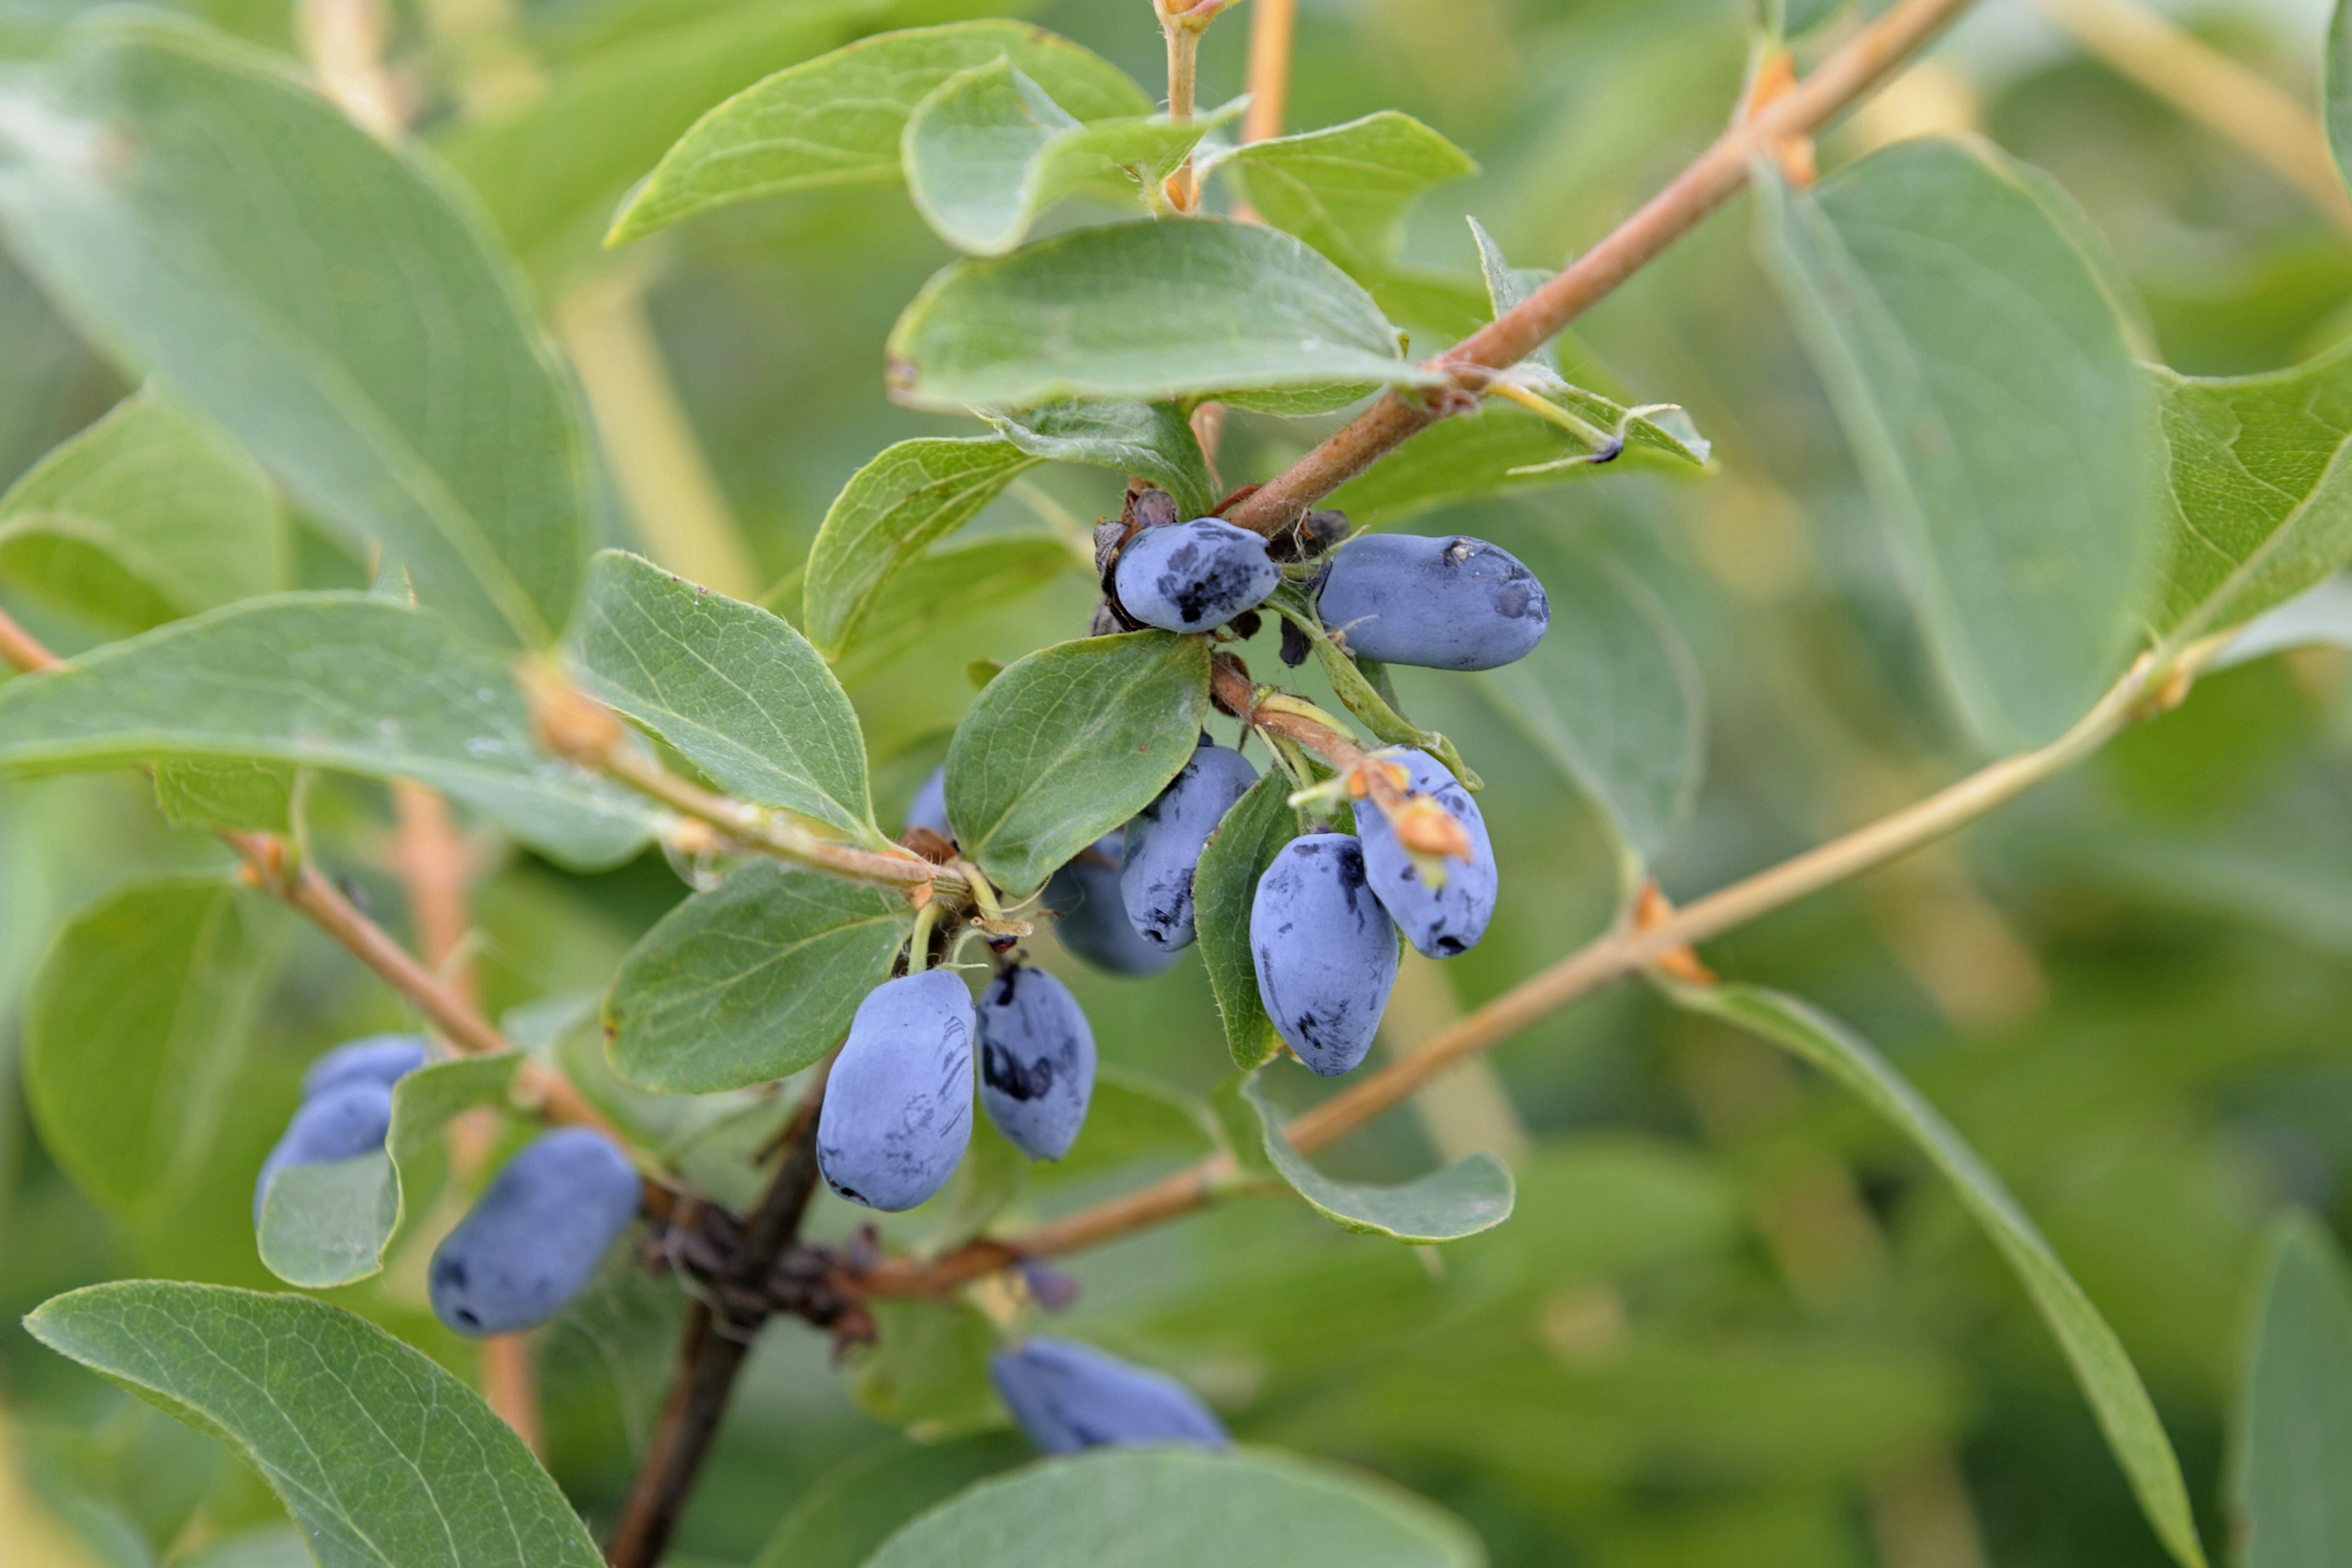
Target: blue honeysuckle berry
[[1036, 1061], [1439, 921], [1324, 950], [1090, 913], [1070, 1396], [378, 1059], [341, 1122], [1443, 604], [1192, 576], [897, 1105], [1164, 842], [531, 1242]]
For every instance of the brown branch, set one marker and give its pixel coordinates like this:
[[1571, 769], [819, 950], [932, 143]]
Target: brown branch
[[1705, 184], [1271, 25], [716, 1341], [23, 650]]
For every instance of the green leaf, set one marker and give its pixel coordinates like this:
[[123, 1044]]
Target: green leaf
[[1132, 1115], [910, 495], [254, 797], [839, 1522], [735, 690], [1978, 361], [2295, 1418], [1225, 885], [136, 1024], [838, 120], [1067, 744], [946, 584], [1345, 189], [1472, 1194], [1611, 697], [927, 1372], [753, 979], [380, 1456], [1178, 1507], [988, 150], [142, 518], [347, 682], [2108, 1377], [1151, 440], [1187, 308], [329, 1223], [1500, 447], [234, 234], [2260, 490]]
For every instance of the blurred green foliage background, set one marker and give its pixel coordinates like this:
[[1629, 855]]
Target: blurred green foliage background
[[1735, 1320]]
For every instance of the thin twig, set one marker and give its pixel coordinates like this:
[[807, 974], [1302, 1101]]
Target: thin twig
[[712, 1352], [1271, 25], [1711, 180], [23, 650]]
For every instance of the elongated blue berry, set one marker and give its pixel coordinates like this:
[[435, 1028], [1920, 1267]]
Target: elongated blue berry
[[1438, 922], [1090, 916], [340, 1123], [929, 806], [1165, 839], [532, 1241], [897, 1107], [378, 1059], [1190, 576], [1324, 950], [1445, 604], [1036, 1061], [1070, 1396]]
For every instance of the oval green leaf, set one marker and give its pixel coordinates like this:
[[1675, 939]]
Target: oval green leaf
[[1472, 1194], [1187, 308], [1178, 1507], [1152, 441], [2294, 1419], [839, 1522], [753, 979], [214, 224], [733, 688], [838, 120], [2108, 1377], [1345, 189], [1067, 744], [1225, 886], [380, 1456]]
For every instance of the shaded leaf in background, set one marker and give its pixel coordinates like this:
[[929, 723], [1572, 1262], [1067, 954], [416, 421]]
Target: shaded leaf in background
[[136, 1024], [144, 517], [1152, 441], [988, 150], [2101, 1367], [1148, 310], [735, 690], [1068, 744], [346, 682], [1472, 1194], [2260, 490], [1345, 189], [1988, 384], [948, 582], [269, 1547], [1133, 1116], [839, 1522], [2294, 1420], [1224, 887], [1611, 697], [1499, 448], [910, 495], [928, 1372], [216, 225], [256, 797], [328, 1224], [1178, 1507], [755, 979], [380, 1456], [838, 120]]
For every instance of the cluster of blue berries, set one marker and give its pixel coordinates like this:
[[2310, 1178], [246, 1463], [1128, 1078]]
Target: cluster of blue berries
[[530, 1242]]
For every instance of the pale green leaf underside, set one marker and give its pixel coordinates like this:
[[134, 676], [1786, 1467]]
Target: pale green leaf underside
[[1345, 189], [329, 1225], [753, 979], [2258, 490], [911, 495], [735, 689], [144, 517], [1475, 454], [1183, 308], [1068, 744], [328, 300], [1152, 441], [255, 797], [838, 120], [1472, 1194], [1179, 1508], [1983, 375], [381, 1457], [2105, 1372], [345, 682], [1611, 697], [1225, 886], [2295, 1418], [988, 150], [136, 1024]]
